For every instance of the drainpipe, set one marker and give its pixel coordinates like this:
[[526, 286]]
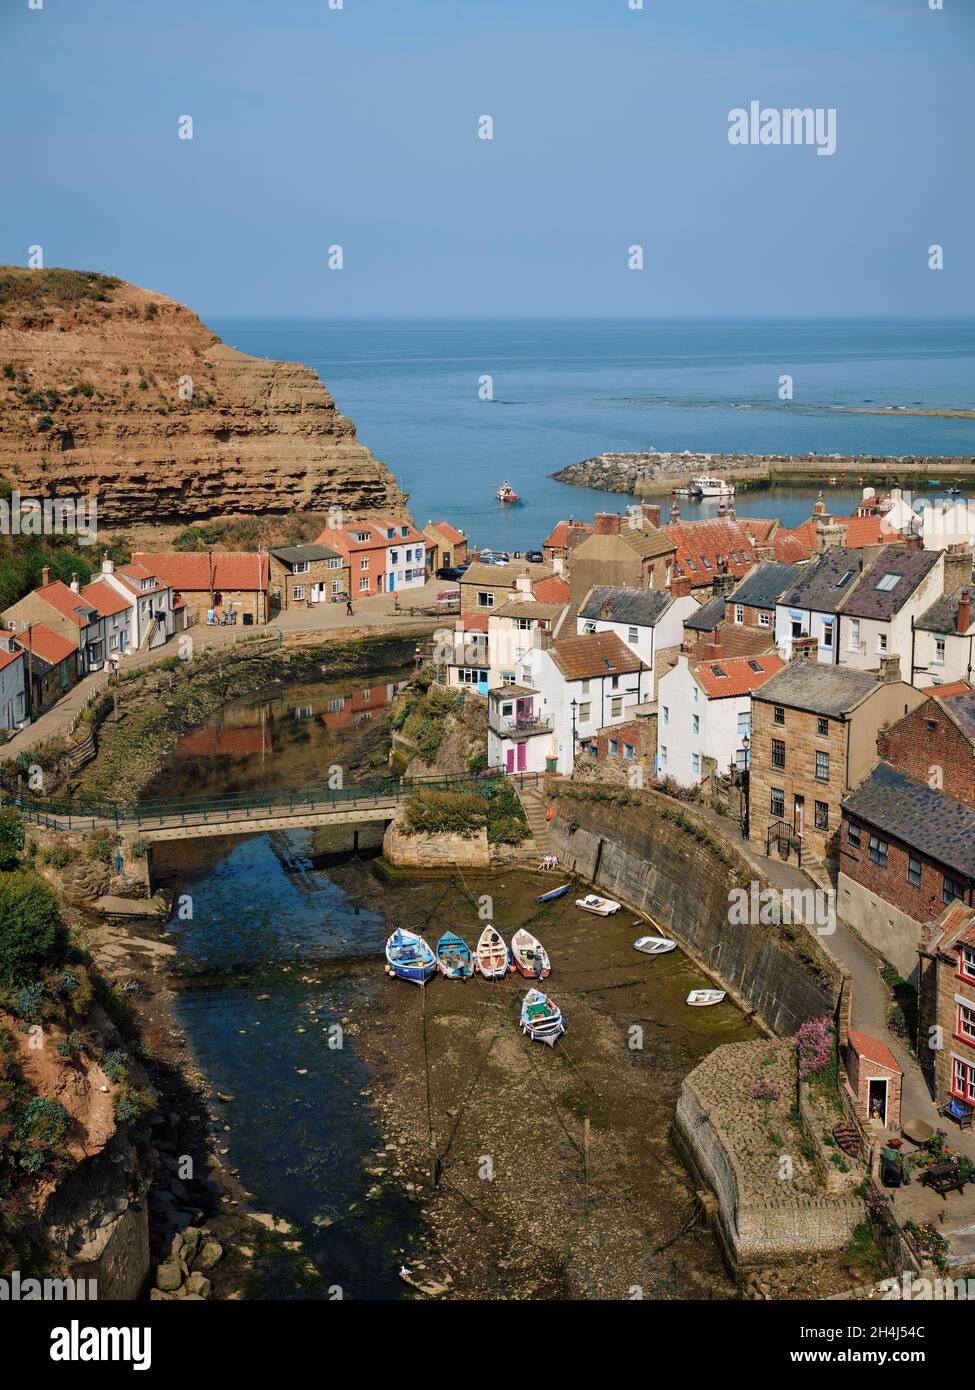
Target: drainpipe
[[913, 639]]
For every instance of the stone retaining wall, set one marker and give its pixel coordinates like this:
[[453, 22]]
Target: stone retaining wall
[[436, 851]]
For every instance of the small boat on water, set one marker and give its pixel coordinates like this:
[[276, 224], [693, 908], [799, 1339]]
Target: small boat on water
[[492, 956], [603, 907], [541, 1019], [701, 998], [553, 893], [409, 957], [455, 959], [506, 493], [529, 955], [705, 486], [654, 945]]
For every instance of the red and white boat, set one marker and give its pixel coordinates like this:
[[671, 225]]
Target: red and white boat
[[506, 493], [529, 955]]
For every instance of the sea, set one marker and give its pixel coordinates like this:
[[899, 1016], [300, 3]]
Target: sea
[[454, 407]]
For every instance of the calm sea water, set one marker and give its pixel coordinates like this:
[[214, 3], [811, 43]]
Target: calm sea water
[[567, 389]]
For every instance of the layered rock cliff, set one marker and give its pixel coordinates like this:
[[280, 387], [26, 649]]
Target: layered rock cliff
[[113, 390]]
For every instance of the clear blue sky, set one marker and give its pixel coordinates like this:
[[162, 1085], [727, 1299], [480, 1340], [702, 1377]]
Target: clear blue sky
[[357, 126]]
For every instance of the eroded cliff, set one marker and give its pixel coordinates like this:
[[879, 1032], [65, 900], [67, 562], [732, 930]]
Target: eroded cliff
[[115, 391]]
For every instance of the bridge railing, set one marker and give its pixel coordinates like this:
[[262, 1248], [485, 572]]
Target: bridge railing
[[71, 814]]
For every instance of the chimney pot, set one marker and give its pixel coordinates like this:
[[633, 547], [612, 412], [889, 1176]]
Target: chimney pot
[[963, 618], [890, 669], [607, 524], [45, 576]]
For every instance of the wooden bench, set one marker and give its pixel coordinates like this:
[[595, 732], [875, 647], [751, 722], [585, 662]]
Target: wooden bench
[[944, 1178]]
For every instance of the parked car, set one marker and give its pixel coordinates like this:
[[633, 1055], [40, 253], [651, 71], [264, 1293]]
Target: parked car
[[535, 557], [448, 572]]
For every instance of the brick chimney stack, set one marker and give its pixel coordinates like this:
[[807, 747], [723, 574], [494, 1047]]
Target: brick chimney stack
[[963, 618], [45, 576], [890, 669], [606, 611], [607, 524], [958, 568], [713, 649]]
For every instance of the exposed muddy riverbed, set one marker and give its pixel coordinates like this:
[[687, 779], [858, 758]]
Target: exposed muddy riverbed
[[340, 1076]]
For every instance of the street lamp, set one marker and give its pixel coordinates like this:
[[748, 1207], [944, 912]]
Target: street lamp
[[745, 774]]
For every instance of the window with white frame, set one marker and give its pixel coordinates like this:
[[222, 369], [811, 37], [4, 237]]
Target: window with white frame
[[300, 567], [695, 763], [665, 715], [939, 651], [739, 612], [966, 1021], [616, 707], [963, 1080], [364, 562], [966, 962], [854, 643], [298, 591], [364, 584], [585, 713], [485, 599], [632, 633]]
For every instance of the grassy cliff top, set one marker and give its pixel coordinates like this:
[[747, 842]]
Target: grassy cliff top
[[54, 288]]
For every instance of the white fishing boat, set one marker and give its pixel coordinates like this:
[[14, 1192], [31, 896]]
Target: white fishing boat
[[701, 998], [506, 493], [491, 955], [706, 486], [529, 955], [541, 1019], [602, 907], [654, 945]]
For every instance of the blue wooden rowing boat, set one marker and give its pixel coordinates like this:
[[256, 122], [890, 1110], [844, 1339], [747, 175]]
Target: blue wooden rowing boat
[[409, 957], [454, 957], [553, 893]]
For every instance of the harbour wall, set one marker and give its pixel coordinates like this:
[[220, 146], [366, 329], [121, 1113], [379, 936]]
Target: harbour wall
[[646, 475], [658, 857]]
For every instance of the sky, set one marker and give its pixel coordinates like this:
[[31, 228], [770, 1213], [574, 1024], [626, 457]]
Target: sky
[[358, 127]]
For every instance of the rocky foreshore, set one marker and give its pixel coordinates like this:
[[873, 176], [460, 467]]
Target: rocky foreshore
[[644, 474]]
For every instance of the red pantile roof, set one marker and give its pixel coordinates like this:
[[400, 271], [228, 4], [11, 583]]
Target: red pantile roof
[[50, 646], [65, 601], [874, 1051], [792, 547], [707, 548], [449, 532], [758, 527], [595, 654], [105, 599], [190, 571], [7, 657], [554, 589], [559, 537], [473, 622], [721, 677], [946, 692]]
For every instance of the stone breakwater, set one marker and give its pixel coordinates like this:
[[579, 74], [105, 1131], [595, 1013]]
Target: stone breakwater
[[645, 474]]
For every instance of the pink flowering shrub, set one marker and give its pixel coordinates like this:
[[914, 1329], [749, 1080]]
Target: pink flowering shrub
[[765, 1090], [814, 1044]]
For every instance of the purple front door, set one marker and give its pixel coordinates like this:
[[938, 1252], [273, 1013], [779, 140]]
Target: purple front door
[[522, 756], [509, 759]]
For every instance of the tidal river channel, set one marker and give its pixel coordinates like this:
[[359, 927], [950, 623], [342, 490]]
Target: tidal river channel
[[284, 949]]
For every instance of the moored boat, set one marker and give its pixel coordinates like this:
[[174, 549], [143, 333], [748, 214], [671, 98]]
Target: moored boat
[[409, 957], [701, 998], [553, 893], [602, 907], [541, 1019], [492, 956], [654, 945], [529, 955], [455, 959], [506, 493], [705, 486]]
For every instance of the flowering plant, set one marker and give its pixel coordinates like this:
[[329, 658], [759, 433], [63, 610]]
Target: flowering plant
[[814, 1044]]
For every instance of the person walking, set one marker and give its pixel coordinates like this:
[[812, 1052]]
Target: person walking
[[348, 608]]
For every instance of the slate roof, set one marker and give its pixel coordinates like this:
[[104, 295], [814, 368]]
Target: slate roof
[[961, 708], [764, 584], [816, 588], [708, 616], [918, 816], [595, 654], [911, 567], [821, 689], [504, 576], [942, 616], [642, 607], [304, 554]]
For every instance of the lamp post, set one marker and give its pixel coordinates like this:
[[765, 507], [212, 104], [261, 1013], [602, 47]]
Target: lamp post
[[574, 707], [745, 774]]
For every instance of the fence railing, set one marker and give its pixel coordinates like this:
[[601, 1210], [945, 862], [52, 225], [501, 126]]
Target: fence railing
[[71, 814]]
